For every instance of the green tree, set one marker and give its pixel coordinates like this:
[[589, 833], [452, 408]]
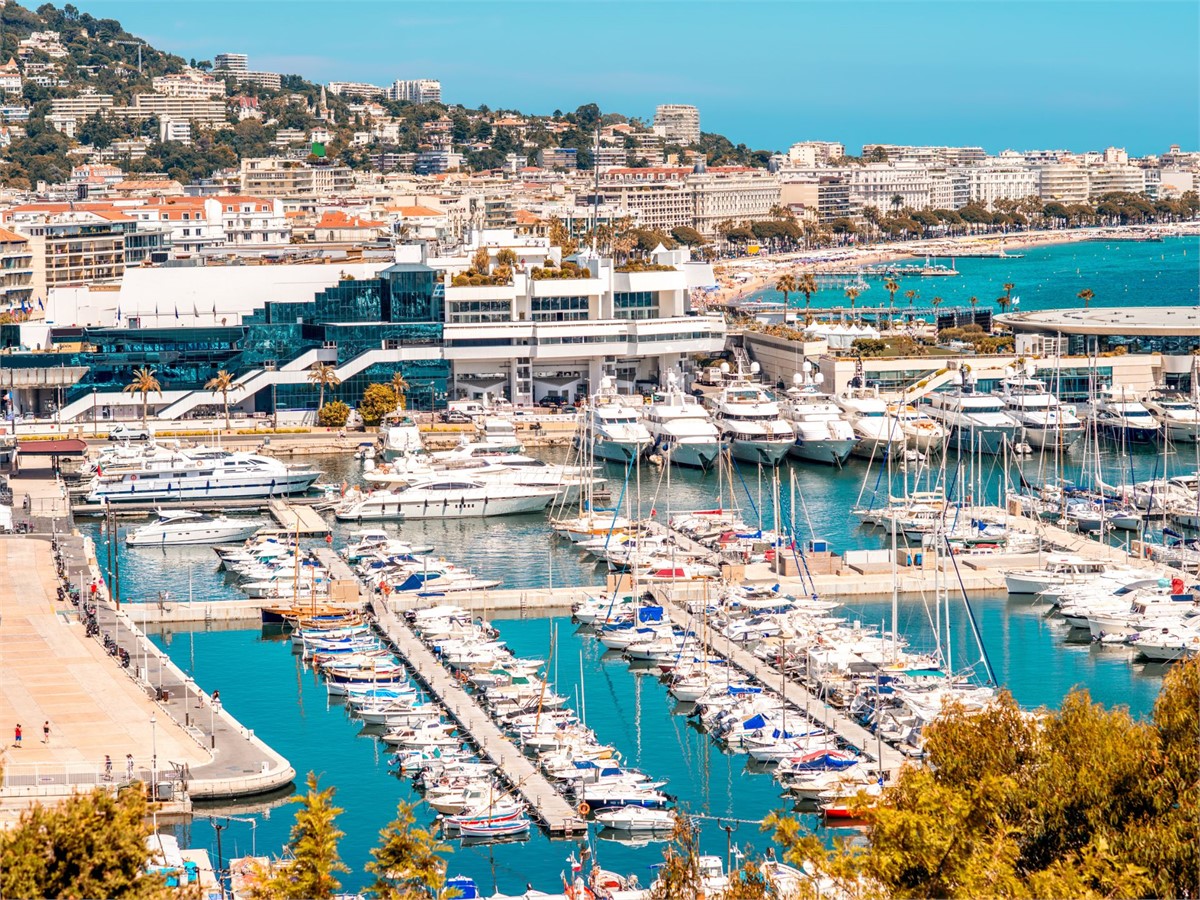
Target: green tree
[[852, 296], [1079, 802], [144, 383], [407, 864], [785, 285], [311, 873], [377, 401], [679, 875], [91, 845], [400, 384], [222, 383], [891, 287], [334, 414], [807, 285], [1086, 296], [323, 375], [687, 236]]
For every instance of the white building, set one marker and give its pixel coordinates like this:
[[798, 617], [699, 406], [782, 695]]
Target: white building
[[815, 153], [1064, 182], [989, 183], [889, 186], [417, 90], [189, 85], [176, 130], [10, 78], [1106, 179], [678, 123], [356, 89]]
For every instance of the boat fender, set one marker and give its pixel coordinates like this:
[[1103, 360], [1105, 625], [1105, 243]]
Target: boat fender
[[584, 809]]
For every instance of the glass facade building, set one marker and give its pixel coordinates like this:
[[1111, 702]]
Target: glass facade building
[[402, 307]]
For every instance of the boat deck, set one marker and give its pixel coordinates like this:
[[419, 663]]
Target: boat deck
[[548, 807]]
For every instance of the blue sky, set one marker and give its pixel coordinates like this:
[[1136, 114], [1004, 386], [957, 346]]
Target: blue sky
[[1006, 74]]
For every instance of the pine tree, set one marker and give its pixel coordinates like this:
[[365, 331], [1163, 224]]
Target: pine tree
[[407, 864], [311, 873]]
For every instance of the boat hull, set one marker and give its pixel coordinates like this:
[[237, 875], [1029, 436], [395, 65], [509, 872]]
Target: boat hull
[[763, 452], [149, 491], [217, 534], [1050, 438], [990, 440], [829, 452], [449, 508], [693, 456]]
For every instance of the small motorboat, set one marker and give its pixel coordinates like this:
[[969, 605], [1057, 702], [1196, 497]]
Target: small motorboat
[[636, 819]]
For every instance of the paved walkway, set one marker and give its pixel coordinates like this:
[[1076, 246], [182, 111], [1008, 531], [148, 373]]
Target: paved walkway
[[53, 672]]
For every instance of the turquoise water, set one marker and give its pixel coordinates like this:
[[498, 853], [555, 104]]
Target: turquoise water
[[1121, 273], [269, 690]]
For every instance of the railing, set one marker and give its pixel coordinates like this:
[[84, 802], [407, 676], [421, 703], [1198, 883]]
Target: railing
[[59, 778]]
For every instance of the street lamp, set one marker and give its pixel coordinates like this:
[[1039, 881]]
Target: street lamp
[[95, 425], [154, 755]]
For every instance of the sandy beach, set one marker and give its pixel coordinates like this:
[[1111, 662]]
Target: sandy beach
[[739, 278]]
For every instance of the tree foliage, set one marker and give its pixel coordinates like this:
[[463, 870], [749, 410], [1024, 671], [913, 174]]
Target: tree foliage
[[407, 864], [333, 414], [92, 845], [377, 401], [311, 873], [1081, 802]]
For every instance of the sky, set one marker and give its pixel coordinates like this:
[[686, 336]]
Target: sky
[[1020, 74]]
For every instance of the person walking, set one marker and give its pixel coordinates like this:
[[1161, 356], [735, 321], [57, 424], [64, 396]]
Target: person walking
[[17, 736], [107, 767], [46, 732], [129, 767], [216, 699]]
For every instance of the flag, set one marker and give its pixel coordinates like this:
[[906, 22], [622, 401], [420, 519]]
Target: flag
[[41, 305], [195, 315], [118, 314], [176, 310]]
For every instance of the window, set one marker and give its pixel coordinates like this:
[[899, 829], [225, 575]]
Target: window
[[635, 305], [559, 309]]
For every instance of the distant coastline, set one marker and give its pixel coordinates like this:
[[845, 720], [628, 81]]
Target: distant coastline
[[743, 277]]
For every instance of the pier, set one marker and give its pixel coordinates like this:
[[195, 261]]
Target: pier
[[547, 806], [887, 758]]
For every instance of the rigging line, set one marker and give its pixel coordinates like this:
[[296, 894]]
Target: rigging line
[[749, 495], [971, 615]]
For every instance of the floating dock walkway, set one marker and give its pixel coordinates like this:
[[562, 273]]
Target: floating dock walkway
[[547, 806], [887, 758]]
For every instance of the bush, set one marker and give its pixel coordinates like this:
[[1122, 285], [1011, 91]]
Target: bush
[[641, 265], [568, 269], [333, 414]]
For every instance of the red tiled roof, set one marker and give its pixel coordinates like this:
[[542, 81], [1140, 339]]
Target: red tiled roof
[[338, 219]]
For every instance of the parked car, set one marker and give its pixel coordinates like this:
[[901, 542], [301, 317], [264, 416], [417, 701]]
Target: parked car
[[129, 433], [456, 417]]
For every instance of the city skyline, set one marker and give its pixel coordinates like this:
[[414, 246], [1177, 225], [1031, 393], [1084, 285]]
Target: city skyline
[[927, 73]]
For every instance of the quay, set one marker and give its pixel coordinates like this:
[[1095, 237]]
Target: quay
[[54, 672], [548, 807]]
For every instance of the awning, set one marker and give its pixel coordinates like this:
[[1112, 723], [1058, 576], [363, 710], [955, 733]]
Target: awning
[[64, 447]]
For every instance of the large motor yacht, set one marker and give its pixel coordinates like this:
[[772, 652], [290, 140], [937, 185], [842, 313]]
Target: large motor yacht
[[1047, 422], [867, 413], [1119, 415], [749, 418], [202, 474], [822, 433], [1177, 414], [176, 527], [609, 427], [445, 497], [681, 428], [977, 423]]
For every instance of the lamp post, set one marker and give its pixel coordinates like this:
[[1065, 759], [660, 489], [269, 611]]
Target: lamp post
[[95, 424], [212, 724], [154, 755]]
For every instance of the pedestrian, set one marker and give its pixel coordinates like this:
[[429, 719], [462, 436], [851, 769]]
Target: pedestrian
[[17, 735], [46, 732], [92, 591], [216, 699], [107, 767], [129, 767]]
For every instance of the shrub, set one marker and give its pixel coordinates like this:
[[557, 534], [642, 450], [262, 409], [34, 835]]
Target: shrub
[[377, 401], [333, 414]]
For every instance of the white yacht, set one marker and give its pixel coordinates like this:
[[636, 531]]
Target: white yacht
[[1178, 415], [609, 427], [444, 497], [977, 423], [500, 468], [749, 418], [822, 433], [401, 436], [1047, 422], [1119, 414], [920, 431], [187, 527], [205, 473], [867, 413], [681, 428]]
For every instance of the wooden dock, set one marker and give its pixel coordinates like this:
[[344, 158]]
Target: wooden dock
[[548, 807], [298, 519], [887, 758]]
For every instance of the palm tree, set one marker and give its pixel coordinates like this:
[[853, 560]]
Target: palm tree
[[807, 285], [852, 293], [974, 301], [144, 383], [222, 383], [936, 302], [1009, 287], [400, 386], [785, 285], [911, 296], [1004, 302], [891, 287], [897, 202], [1086, 296], [323, 375]]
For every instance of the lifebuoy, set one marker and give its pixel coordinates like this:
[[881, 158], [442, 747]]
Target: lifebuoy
[[584, 809]]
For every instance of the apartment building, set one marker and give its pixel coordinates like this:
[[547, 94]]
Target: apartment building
[[731, 193], [942, 156], [889, 186], [205, 113], [989, 183], [237, 67], [290, 179], [81, 106], [16, 271], [356, 89], [417, 90], [678, 123], [1106, 179], [1064, 182], [77, 247], [822, 195], [10, 78], [558, 158], [815, 153], [189, 85]]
